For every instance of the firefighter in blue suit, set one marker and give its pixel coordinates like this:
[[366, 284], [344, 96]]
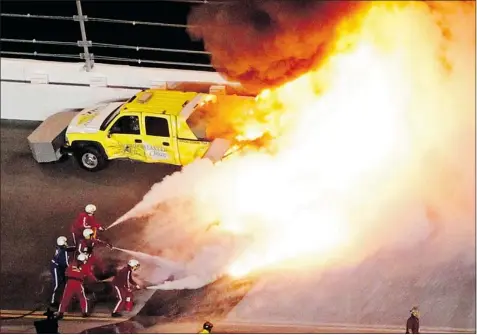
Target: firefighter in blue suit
[[58, 266]]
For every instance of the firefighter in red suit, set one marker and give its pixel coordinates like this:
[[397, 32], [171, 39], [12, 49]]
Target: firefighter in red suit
[[86, 246], [76, 273], [84, 221], [123, 285], [88, 266]]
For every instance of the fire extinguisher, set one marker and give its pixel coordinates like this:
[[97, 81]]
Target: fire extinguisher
[[129, 301]]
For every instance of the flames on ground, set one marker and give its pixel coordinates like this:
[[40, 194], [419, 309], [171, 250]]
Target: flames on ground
[[377, 133]]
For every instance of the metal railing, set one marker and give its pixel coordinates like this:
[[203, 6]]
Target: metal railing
[[86, 44]]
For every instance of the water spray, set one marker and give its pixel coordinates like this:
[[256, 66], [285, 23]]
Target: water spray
[[188, 283], [162, 262], [118, 221]]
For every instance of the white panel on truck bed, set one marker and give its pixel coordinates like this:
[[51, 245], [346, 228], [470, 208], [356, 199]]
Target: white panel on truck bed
[[217, 149]]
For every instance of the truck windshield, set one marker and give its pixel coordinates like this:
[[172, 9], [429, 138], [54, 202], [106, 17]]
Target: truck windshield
[[110, 117]]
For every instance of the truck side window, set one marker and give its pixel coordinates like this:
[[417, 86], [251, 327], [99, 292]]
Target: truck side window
[[157, 126], [126, 125]]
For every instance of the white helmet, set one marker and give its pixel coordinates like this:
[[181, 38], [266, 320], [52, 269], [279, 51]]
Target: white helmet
[[61, 241], [90, 209], [82, 257], [133, 263], [88, 232]]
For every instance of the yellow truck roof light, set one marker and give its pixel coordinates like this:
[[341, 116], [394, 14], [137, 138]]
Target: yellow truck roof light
[[145, 97]]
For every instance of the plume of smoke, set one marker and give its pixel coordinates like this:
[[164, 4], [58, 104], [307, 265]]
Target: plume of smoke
[[154, 260], [432, 201], [263, 43], [171, 187], [203, 269]]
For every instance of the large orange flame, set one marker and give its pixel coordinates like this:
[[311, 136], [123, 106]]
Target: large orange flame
[[343, 141]]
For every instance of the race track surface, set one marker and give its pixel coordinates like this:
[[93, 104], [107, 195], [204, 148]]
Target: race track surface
[[39, 203]]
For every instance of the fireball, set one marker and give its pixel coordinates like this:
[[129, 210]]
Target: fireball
[[346, 159], [345, 140]]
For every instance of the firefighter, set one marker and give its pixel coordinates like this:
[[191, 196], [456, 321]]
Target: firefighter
[[85, 220], [75, 276], [412, 324], [88, 265], [87, 244], [123, 284], [59, 264], [206, 328]]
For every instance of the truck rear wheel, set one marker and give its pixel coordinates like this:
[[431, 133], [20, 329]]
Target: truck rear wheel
[[91, 159]]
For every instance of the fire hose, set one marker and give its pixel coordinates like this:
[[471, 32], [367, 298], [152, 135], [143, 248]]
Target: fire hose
[[42, 305], [23, 315], [39, 305]]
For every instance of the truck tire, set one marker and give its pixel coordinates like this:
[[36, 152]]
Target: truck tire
[[91, 159]]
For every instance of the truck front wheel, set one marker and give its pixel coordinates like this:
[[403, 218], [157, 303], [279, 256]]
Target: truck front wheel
[[91, 159]]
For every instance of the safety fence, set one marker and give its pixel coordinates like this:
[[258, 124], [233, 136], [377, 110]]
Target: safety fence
[[85, 53]]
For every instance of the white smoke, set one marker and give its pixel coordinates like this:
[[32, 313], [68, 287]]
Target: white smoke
[[205, 268], [178, 185]]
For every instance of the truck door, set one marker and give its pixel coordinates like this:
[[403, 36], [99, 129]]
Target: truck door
[[159, 139], [124, 138]]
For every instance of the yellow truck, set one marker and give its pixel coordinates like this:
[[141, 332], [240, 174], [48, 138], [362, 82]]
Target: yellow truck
[[153, 127]]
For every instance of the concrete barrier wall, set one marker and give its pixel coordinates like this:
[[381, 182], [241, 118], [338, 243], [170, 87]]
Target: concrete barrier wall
[[33, 90]]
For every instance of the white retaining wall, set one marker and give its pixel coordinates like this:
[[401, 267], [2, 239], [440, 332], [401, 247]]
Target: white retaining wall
[[33, 90]]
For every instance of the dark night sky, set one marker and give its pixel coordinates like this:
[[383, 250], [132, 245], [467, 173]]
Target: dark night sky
[[126, 34]]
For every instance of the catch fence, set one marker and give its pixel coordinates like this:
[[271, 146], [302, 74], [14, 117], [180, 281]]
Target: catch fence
[[199, 59]]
